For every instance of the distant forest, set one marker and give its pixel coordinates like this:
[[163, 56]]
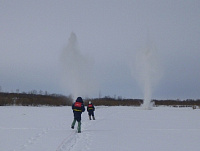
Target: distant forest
[[31, 99]]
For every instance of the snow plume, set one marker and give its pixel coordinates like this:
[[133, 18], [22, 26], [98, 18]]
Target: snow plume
[[146, 70], [77, 70]]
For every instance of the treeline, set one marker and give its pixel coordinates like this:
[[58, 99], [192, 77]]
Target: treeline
[[180, 103], [107, 101], [24, 99]]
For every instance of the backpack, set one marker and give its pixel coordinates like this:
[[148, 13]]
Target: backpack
[[77, 104], [90, 105], [77, 107]]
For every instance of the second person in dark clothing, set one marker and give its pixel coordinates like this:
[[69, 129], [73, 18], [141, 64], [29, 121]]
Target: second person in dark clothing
[[91, 109], [78, 107]]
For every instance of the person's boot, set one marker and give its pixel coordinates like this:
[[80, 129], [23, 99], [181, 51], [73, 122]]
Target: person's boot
[[89, 117], [93, 117], [73, 123], [79, 127]]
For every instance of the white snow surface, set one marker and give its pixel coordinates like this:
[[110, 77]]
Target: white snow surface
[[115, 129]]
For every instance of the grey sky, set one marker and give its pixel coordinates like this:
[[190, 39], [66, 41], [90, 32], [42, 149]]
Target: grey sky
[[33, 35]]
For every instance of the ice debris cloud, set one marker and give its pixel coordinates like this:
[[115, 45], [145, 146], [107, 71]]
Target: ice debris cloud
[[147, 71], [78, 69]]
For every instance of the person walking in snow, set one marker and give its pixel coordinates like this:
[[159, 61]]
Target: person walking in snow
[[77, 107], [91, 109]]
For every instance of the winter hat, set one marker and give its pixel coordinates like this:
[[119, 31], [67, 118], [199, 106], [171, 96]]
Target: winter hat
[[79, 99], [90, 102]]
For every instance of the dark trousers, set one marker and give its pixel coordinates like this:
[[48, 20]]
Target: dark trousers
[[91, 113]]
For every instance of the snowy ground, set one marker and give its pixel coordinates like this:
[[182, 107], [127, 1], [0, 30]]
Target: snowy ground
[[115, 129]]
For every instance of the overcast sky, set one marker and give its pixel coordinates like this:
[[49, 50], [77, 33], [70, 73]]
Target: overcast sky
[[110, 34]]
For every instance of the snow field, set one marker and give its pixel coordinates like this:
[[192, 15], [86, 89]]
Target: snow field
[[115, 129]]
